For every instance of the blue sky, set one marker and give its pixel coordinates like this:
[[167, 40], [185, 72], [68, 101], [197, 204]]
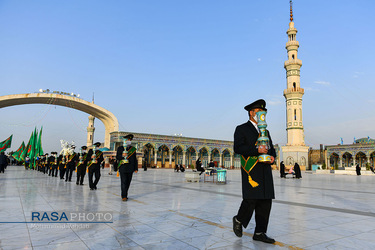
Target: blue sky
[[187, 67]]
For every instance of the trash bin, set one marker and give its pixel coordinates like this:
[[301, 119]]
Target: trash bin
[[221, 176]]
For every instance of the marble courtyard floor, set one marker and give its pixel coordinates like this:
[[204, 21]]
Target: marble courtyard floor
[[166, 212]]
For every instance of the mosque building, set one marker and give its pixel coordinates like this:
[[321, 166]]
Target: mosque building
[[347, 156]]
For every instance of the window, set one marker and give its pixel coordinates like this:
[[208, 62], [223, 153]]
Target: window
[[289, 161]]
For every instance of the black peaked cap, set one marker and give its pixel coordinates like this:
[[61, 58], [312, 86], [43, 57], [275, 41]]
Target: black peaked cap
[[261, 104]]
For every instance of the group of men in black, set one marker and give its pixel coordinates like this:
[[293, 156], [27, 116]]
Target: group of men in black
[[90, 162], [65, 165]]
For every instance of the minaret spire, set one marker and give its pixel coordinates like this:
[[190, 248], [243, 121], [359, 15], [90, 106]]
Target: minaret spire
[[291, 10]]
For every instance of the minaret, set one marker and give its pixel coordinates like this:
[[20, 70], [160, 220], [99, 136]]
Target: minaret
[[90, 131], [90, 128], [295, 149]]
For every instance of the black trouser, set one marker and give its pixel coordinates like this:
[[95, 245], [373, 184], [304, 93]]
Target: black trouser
[[62, 172], [126, 179], [54, 170], [262, 213], [2, 167], [81, 171], [94, 170], [69, 173]]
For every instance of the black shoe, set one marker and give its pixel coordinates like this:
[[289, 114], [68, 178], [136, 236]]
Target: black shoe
[[263, 237], [237, 227], [77, 183], [81, 184], [92, 189], [95, 188]]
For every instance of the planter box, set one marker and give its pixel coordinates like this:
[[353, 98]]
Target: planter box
[[192, 176], [322, 171]]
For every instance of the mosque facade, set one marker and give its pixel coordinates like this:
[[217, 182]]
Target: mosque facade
[[164, 151], [347, 156]]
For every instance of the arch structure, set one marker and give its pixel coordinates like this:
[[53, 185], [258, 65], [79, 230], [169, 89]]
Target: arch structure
[[347, 156], [166, 151], [109, 120]]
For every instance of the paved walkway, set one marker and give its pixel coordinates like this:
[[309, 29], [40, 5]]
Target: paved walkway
[[165, 212]]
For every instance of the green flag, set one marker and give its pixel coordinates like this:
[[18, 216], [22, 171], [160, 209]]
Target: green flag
[[17, 154], [26, 150], [39, 149], [6, 144], [32, 152]]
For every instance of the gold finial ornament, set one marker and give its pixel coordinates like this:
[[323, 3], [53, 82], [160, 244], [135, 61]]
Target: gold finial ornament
[[291, 11]]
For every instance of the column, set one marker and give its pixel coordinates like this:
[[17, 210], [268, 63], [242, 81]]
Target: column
[[140, 161], [354, 161], [335, 163], [170, 158], [183, 158], [328, 162], [106, 162], [340, 161], [196, 155], [231, 161], [155, 157], [368, 159], [221, 160], [209, 156]]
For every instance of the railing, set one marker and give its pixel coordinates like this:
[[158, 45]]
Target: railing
[[293, 61], [294, 90]]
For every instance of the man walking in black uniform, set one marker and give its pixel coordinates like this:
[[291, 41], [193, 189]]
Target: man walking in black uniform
[[94, 166], [71, 164], [81, 165], [45, 164], [53, 161], [62, 165], [257, 182], [127, 165]]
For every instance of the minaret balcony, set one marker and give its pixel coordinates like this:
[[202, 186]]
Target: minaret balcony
[[89, 129], [292, 43], [293, 62], [294, 90], [291, 31]]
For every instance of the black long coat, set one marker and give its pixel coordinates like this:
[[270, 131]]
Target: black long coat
[[99, 159], [133, 162], [245, 137]]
